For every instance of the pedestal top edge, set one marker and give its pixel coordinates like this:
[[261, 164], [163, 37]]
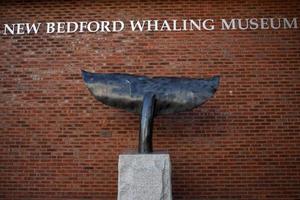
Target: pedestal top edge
[[144, 154]]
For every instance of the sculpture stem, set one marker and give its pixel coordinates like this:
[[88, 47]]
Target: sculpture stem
[[146, 124]]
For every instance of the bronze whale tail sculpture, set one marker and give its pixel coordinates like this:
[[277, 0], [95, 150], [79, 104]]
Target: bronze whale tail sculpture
[[149, 96]]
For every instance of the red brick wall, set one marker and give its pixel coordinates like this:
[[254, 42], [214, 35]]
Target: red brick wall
[[58, 142]]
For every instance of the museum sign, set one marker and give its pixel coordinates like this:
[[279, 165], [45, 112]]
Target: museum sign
[[153, 25]]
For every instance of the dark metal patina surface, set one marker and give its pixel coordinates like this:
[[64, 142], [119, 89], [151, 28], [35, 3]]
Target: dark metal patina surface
[[149, 96]]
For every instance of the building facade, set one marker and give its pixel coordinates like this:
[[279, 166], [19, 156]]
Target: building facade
[[58, 142]]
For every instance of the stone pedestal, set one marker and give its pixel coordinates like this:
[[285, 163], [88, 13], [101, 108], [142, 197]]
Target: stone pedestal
[[144, 177]]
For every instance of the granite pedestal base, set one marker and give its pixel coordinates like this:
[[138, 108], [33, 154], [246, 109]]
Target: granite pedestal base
[[144, 177]]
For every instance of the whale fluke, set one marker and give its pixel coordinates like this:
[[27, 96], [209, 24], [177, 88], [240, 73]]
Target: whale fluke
[[149, 96]]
